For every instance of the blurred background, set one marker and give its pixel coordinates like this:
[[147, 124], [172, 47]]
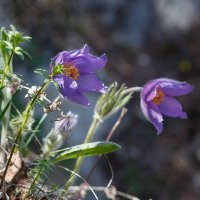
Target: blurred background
[[143, 39]]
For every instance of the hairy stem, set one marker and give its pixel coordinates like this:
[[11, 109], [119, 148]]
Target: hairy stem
[[25, 120], [5, 120], [132, 89], [80, 160], [111, 133], [91, 130]]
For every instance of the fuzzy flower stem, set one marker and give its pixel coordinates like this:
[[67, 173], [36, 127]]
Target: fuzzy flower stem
[[27, 115], [91, 130], [132, 89], [6, 117], [80, 159], [111, 133], [89, 135], [4, 133]]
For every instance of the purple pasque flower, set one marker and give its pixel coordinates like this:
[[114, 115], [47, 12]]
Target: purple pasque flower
[[157, 99], [74, 72]]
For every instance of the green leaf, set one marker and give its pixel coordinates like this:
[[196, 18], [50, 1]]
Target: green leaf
[[9, 77], [57, 69], [89, 149], [8, 45], [26, 38], [2, 88], [1, 95], [13, 28], [16, 37], [20, 51], [4, 37], [7, 106], [3, 50], [3, 33], [42, 72], [20, 54], [56, 85]]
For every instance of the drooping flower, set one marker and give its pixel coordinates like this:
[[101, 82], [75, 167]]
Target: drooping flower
[[62, 128], [65, 123], [157, 99], [74, 72]]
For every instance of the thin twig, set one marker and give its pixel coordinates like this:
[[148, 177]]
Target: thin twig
[[94, 188], [117, 123], [101, 189], [111, 133], [74, 173], [112, 176]]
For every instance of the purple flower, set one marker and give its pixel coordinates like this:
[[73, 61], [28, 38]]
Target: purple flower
[[157, 100], [74, 72]]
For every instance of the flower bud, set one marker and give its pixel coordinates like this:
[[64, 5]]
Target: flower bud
[[112, 101], [16, 123], [61, 130]]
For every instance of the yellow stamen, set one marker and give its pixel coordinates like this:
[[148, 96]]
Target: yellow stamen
[[71, 71], [160, 96]]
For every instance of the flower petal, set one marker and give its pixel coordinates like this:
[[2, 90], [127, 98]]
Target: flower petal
[[172, 108], [68, 56], [85, 49], [62, 57], [153, 114], [149, 90], [89, 63], [65, 83], [77, 97], [174, 88], [168, 86], [81, 58], [89, 82], [68, 88]]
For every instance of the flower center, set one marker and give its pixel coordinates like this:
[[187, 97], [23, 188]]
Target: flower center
[[160, 96], [71, 71]]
